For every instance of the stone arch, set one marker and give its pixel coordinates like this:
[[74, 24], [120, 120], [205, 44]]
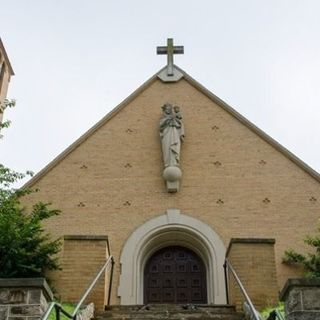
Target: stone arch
[[172, 228]]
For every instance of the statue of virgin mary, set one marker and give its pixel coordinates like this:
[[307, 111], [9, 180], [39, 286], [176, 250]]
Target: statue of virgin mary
[[172, 134]]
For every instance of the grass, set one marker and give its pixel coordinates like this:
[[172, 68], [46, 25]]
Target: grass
[[69, 307]]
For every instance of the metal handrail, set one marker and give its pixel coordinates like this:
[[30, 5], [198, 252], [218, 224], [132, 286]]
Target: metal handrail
[[244, 292], [279, 315], [47, 313], [109, 260], [73, 316]]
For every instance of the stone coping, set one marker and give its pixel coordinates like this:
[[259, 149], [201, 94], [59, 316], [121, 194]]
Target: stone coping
[[299, 282], [40, 283], [250, 241], [84, 237]]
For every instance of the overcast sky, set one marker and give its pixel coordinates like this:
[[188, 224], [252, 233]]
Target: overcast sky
[[75, 60]]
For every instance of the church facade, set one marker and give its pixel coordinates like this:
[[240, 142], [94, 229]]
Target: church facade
[[169, 232]]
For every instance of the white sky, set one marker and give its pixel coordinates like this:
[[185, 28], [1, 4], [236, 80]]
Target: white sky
[[75, 60]]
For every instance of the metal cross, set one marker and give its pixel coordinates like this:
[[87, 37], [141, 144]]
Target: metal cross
[[170, 50]]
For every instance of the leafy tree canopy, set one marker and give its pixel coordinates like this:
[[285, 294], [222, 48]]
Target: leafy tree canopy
[[25, 249]]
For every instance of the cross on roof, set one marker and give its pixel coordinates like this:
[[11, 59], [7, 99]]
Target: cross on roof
[[170, 50]]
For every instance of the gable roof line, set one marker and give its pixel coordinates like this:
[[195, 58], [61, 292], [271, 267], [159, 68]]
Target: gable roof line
[[207, 93], [89, 132], [288, 154]]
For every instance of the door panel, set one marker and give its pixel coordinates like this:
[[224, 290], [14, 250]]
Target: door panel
[[175, 275]]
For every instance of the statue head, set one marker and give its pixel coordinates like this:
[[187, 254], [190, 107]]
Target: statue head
[[167, 108], [176, 109]]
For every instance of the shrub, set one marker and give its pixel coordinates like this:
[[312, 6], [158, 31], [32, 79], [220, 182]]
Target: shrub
[[311, 261], [280, 308]]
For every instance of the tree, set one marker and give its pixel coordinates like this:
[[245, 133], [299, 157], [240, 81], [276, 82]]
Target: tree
[[3, 106], [25, 249], [311, 261]]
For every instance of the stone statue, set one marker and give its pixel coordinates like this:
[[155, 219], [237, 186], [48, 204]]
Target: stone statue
[[171, 134]]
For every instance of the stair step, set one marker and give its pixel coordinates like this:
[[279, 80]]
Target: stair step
[[170, 311], [235, 316], [172, 307]]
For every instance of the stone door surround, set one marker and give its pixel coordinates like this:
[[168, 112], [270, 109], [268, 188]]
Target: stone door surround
[[171, 229]]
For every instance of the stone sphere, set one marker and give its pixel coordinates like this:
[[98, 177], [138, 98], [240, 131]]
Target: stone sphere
[[172, 174]]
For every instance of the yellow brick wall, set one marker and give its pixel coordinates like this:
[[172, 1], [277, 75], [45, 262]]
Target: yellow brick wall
[[254, 262], [232, 179], [81, 259]]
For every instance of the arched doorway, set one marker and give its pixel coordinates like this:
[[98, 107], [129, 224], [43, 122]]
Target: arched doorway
[[171, 229], [175, 275]]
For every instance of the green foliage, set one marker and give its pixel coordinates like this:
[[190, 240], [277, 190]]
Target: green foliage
[[311, 261], [7, 104], [3, 106], [266, 312], [25, 249], [7, 178]]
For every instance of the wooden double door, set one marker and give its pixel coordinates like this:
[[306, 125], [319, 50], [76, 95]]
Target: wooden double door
[[175, 275]]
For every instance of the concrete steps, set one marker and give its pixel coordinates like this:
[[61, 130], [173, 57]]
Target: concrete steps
[[169, 311]]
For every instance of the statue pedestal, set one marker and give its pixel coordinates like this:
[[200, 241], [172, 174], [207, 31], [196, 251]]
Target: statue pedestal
[[172, 176], [173, 186]]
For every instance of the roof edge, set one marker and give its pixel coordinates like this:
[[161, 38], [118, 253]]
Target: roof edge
[[89, 132], [279, 147], [6, 58]]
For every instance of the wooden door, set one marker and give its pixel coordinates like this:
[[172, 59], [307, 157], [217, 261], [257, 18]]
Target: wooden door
[[175, 275]]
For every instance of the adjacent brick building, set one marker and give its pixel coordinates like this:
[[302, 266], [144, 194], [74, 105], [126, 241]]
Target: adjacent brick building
[[6, 72]]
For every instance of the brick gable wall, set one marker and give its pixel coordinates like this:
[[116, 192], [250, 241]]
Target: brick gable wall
[[232, 179]]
